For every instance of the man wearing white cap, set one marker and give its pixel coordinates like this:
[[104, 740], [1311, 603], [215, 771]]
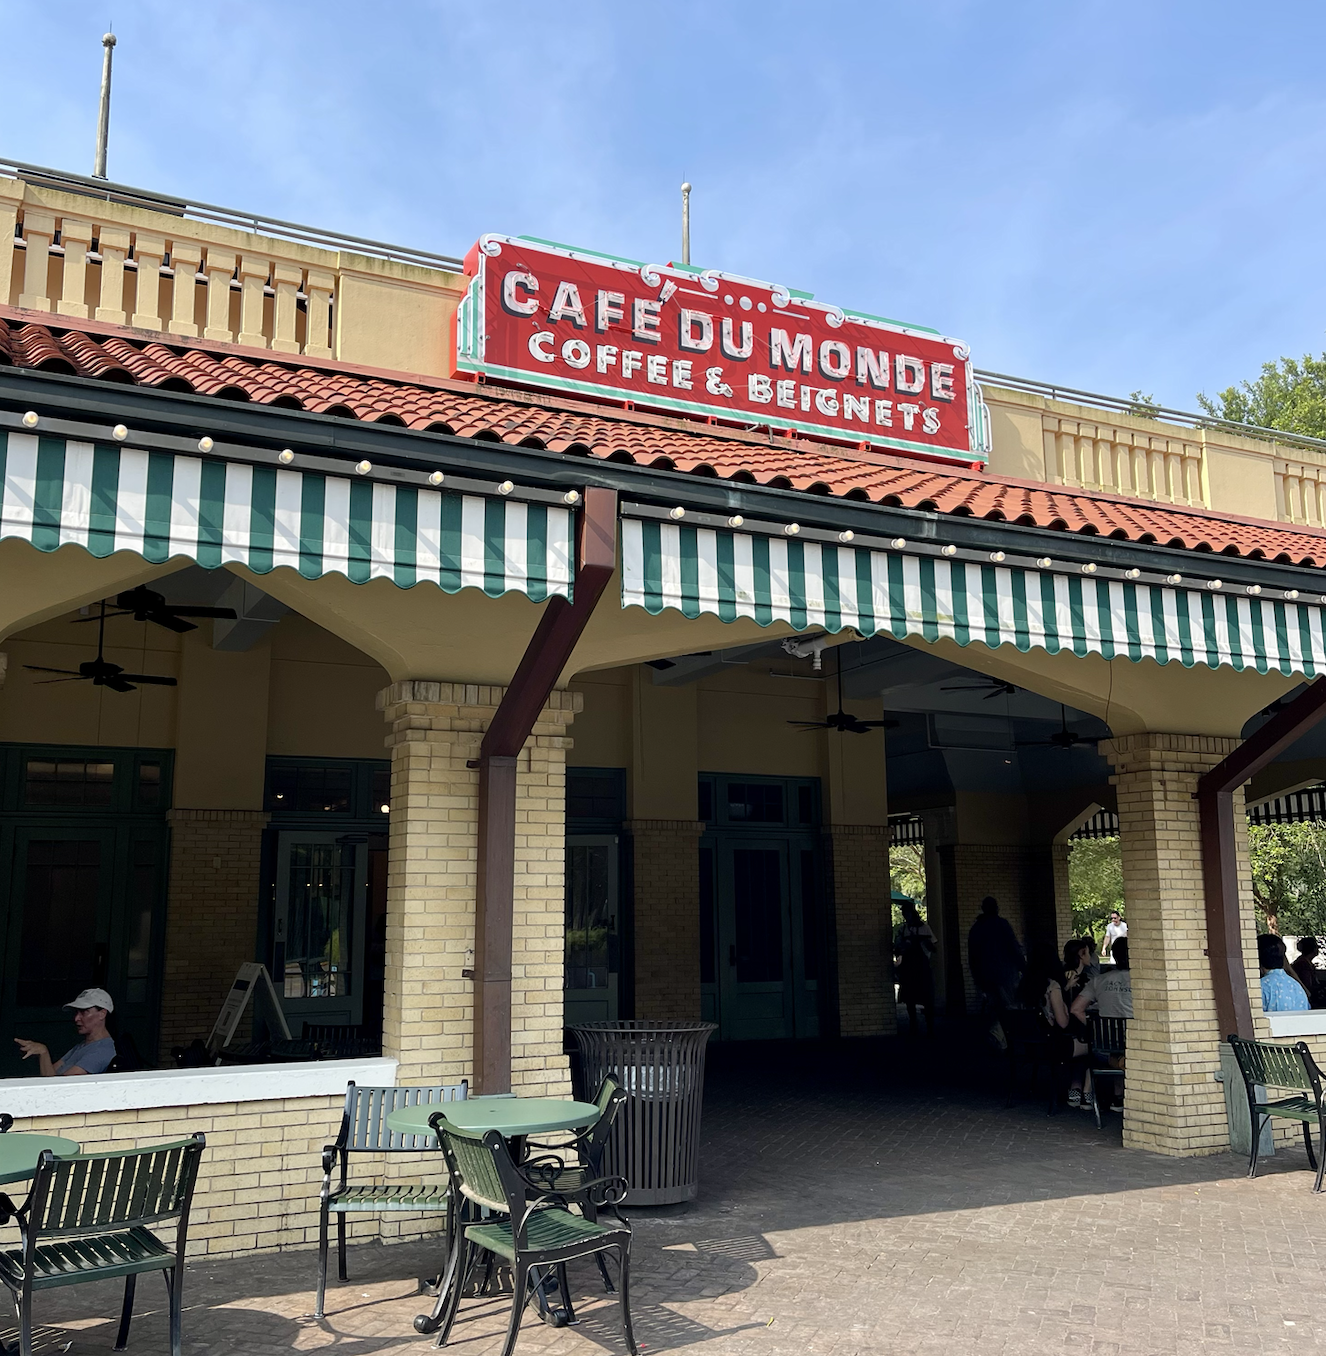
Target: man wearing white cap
[[93, 1054]]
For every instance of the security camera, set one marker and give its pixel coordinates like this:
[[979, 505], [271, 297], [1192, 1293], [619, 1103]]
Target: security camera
[[808, 647]]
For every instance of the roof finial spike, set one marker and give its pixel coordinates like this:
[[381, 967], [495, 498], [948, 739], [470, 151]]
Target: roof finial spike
[[686, 223], [103, 117]]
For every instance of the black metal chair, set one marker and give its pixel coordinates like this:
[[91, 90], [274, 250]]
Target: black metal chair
[[538, 1232], [364, 1130], [1288, 1068], [555, 1174], [87, 1218], [1109, 1037]]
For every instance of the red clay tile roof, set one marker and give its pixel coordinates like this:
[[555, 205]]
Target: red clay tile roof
[[582, 429]]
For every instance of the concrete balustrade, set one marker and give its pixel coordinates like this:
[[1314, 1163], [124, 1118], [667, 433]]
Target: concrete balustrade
[[80, 257]]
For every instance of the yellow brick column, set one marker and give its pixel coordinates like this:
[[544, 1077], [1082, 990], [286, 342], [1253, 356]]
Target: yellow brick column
[[435, 732], [666, 870], [211, 917], [863, 919], [1174, 1106]]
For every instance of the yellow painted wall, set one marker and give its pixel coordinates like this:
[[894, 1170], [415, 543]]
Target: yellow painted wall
[[601, 735], [35, 711], [300, 691], [323, 694], [221, 725]]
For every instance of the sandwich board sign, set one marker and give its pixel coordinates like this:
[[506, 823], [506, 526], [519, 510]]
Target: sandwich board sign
[[252, 982]]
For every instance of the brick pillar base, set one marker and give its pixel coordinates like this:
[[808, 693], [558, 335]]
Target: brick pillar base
[[1173, 1105], [211, 916], [436, 729], [666, 870], [863, 916]]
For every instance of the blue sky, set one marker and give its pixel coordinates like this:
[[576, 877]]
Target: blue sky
[[1114, 196]]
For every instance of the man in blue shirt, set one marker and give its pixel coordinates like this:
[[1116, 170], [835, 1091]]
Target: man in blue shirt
[[1281, 991], [93, 1054]]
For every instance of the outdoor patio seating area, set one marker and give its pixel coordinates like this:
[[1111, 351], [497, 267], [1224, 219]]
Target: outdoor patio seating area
[[852, 1199]]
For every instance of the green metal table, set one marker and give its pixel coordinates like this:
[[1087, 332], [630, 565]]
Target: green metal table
[[513, 1118], [19, 1154]]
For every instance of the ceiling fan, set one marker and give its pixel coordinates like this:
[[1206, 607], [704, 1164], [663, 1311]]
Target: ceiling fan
[[841, 720], [145, 605], [992, 687], [1063, 738], [100, 672]]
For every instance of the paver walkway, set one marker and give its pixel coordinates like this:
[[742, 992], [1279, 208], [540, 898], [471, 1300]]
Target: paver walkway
[[846, 1213]]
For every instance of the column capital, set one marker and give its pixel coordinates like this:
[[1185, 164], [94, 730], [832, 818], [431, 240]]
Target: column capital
[[417, 707], [1155, 748]]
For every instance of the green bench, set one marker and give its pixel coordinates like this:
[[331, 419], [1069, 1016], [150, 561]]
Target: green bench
[[1288, 1069]]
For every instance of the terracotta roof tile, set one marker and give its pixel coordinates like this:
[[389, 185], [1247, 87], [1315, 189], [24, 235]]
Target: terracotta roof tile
[[516, 419]]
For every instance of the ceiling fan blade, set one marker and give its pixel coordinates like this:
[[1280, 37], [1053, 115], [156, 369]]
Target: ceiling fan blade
[[42, 668], [116, 683], [79, 621], [171, 622], [812, 724], [78, 678], [146, 678]]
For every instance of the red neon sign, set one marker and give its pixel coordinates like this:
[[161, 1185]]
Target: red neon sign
[[713, 345]]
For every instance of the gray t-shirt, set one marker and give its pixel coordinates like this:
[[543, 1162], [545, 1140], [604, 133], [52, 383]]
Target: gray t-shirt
[[1111, 993], [90, 1056]]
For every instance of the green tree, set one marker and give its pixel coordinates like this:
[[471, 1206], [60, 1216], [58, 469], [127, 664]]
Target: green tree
[[1289, 877], [1143, 406], [907, 875], [1095, 884], [1289, 395]]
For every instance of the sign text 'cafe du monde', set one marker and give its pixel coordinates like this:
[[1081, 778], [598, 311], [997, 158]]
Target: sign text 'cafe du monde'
[[714, 346]]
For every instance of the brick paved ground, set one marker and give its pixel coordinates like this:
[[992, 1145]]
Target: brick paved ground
[[891, 1212]]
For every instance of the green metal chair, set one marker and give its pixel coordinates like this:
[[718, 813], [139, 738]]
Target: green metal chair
[[87, 1218], [1287, 1068], [538, 1234], [363, 1131], [556, 1175]]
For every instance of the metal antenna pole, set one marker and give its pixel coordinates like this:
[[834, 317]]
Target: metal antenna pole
[[103, 118], [686, 223]]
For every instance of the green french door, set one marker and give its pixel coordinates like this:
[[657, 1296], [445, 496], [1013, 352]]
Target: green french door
[[593, 948], [319, 925], [84, 902], [756, 914]]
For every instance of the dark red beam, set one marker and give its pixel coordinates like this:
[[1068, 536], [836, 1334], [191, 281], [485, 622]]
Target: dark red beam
[[1215, 803], [548, 653]]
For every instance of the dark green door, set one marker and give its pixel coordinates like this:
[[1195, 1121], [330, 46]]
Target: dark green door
[[83, 861], [754, 942], [59, 935]]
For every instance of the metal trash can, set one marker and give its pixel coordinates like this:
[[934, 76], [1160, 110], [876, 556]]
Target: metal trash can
[[655, 1143]]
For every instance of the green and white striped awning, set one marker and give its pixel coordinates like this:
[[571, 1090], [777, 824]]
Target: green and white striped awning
[[162, 505], [812, 584]]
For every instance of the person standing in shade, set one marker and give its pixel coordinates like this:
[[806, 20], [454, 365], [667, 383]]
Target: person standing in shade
[[93, 1054], [1305, 969], [996, 961], [913, 945], [1114, 929]]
